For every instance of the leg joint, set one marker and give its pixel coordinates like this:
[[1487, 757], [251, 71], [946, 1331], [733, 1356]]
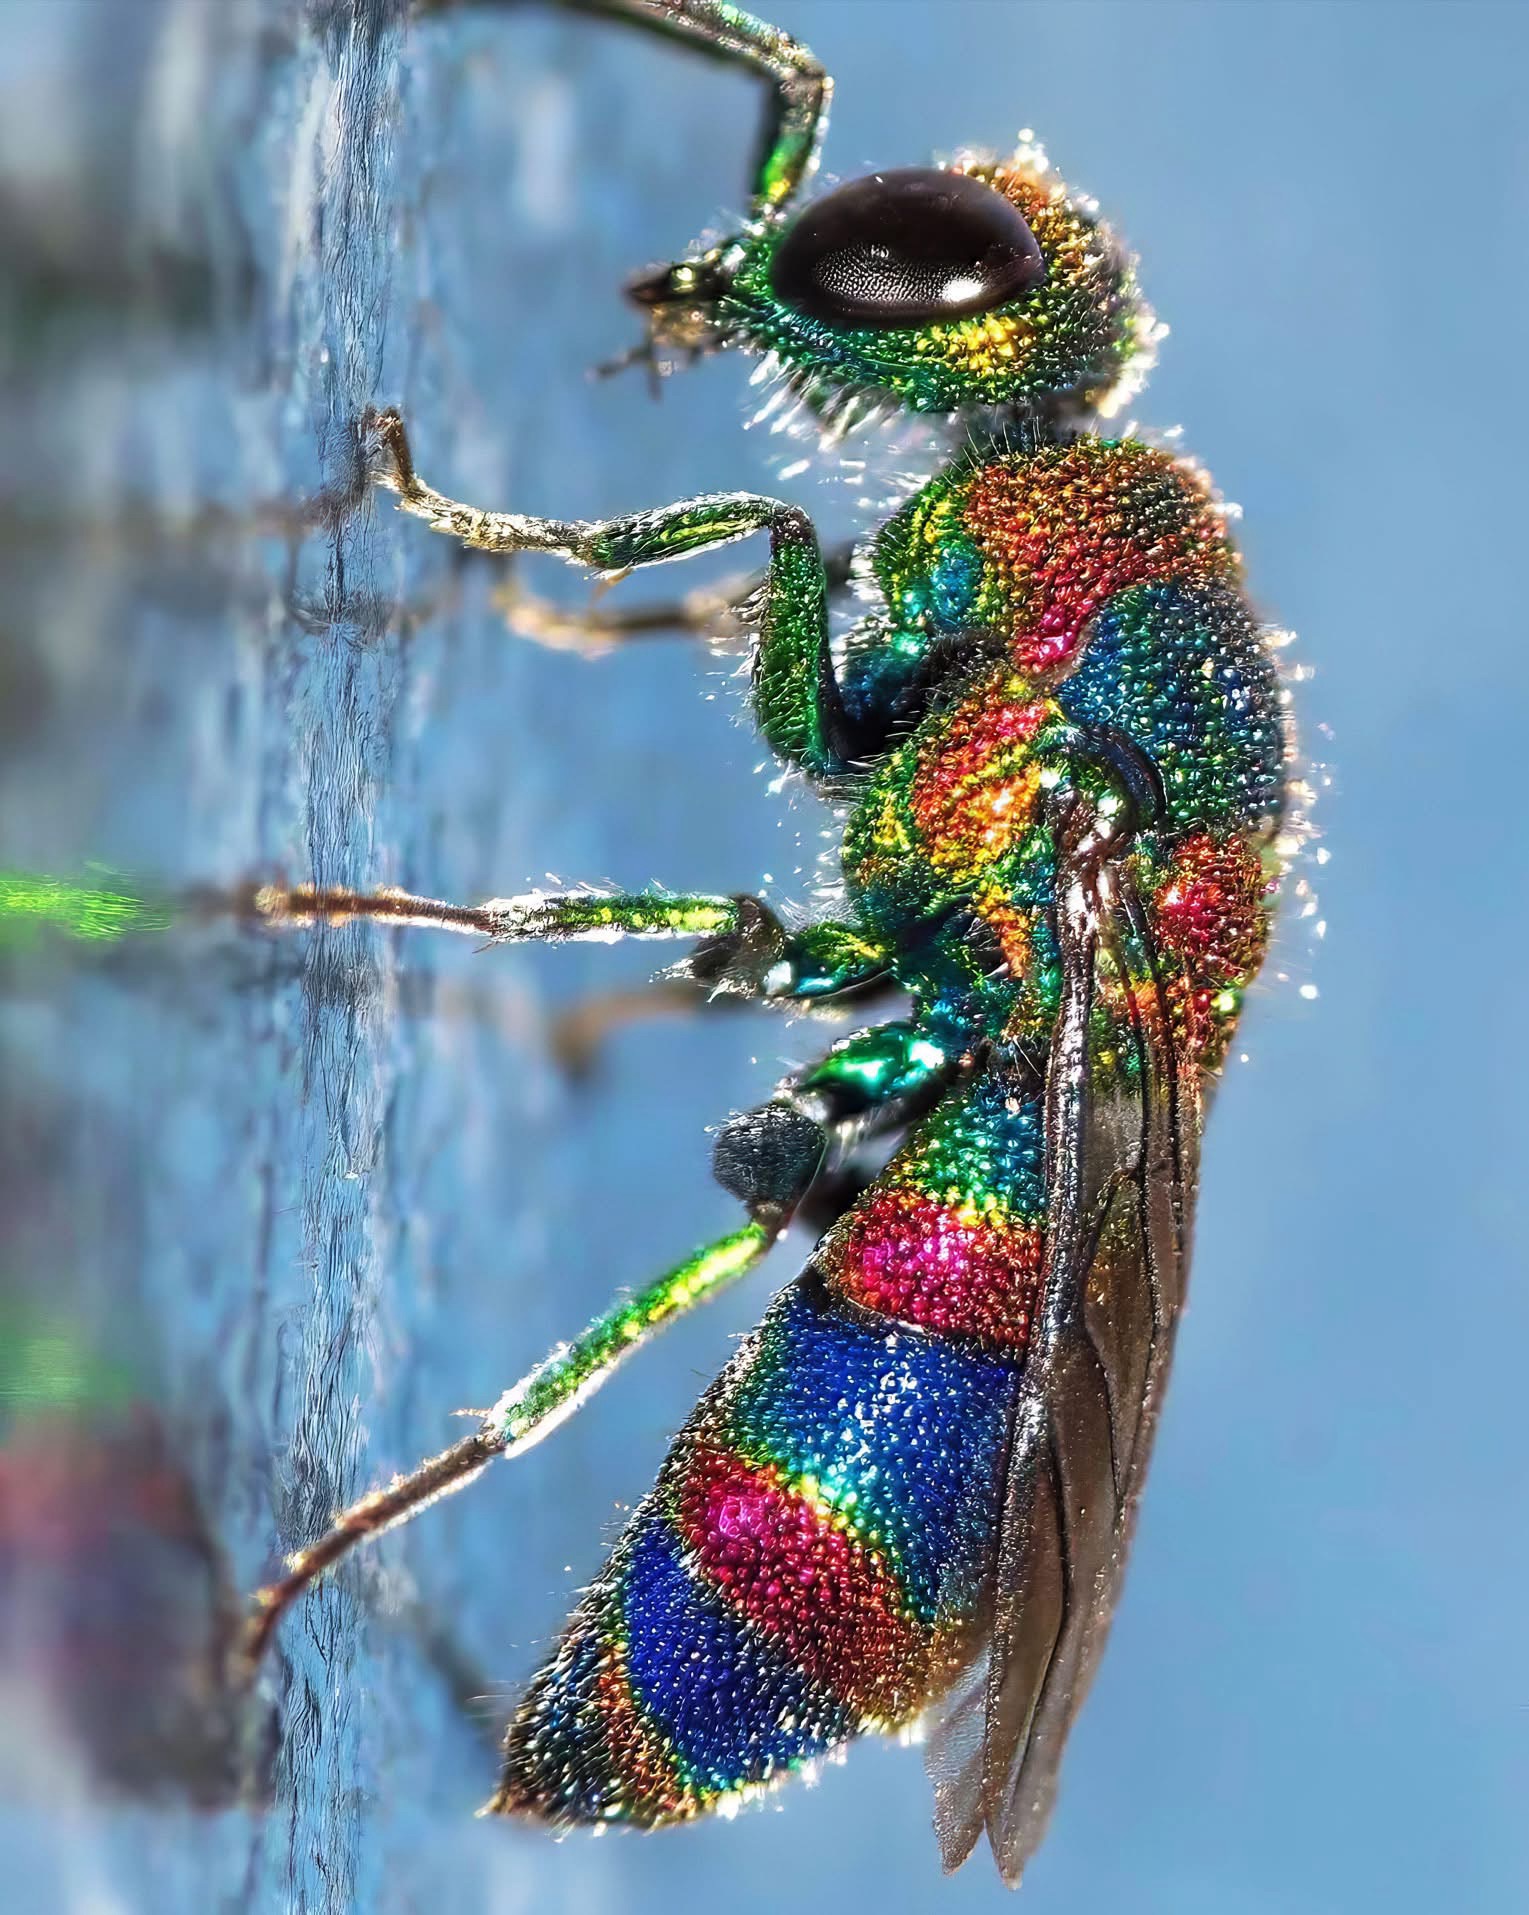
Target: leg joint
[[768, 1157]]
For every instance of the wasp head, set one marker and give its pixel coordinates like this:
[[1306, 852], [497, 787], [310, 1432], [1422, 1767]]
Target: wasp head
[[980, 283]]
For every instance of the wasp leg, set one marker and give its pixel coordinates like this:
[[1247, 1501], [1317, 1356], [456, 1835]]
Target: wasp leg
[[768, 1158], [743, 949], [881, 1082], [796, 108], [743, 955], [555, 917], [579, 1034], [796, 695], [524, 1414], [722, 612]]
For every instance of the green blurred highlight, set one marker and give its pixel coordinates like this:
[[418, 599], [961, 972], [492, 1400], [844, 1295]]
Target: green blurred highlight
[[30, 901], [45, 1367]]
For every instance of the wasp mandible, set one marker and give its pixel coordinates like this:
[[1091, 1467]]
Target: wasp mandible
[[1056, 743]]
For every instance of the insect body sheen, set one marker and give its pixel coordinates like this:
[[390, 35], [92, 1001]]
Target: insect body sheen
[[1056, 739]]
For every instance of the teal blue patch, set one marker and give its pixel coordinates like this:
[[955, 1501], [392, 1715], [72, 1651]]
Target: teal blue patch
[[954, 582]]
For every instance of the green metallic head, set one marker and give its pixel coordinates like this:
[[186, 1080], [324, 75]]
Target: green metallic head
[[978, 283]]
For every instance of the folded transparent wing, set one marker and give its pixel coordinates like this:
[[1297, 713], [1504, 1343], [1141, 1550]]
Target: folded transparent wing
[[1122, 1127]]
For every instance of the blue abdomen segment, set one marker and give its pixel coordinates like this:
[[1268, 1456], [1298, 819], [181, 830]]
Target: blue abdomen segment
[[732, 1708], [899, 1431]]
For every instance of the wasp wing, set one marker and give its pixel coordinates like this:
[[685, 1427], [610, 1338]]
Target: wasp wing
[[1122, 1128]]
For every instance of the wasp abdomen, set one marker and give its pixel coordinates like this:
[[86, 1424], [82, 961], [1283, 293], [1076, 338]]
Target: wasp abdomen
[[949, 1238], [795, 1578]]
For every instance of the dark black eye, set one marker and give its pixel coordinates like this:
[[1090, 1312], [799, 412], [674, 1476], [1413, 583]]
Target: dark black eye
[[906, 249]]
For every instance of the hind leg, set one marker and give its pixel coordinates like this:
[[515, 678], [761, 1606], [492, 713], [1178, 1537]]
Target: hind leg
[[579, 1034], [769, 1159]]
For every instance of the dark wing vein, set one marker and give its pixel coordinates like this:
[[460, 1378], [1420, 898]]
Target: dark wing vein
[[1121, 1137]]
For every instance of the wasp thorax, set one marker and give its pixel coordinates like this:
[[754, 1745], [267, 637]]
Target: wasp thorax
[[906, 248]]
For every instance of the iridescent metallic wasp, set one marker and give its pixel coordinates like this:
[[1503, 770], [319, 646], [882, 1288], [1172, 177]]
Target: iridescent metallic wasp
[[1057, 741]]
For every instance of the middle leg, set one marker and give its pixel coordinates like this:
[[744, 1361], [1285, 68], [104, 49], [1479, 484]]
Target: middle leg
[[742, 950], [579, 1033]]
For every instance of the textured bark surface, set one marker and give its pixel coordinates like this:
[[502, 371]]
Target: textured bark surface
[[300, 1199]]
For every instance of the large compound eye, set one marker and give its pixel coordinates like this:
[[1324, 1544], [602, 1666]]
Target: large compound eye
[[906, 249]]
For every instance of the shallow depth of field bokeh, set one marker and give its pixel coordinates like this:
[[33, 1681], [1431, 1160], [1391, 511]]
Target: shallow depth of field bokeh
[[317, 1198]]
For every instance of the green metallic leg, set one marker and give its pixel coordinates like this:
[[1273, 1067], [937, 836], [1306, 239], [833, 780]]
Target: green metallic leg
[[758, 957], [556, 917], [796, 696], [796, 107], [885, 1067], [524, 1414], [769, 1157], [743, 950], [722, 612], [831, 967]]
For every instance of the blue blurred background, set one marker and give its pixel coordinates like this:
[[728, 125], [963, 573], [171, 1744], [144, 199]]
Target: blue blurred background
[[310, 1198]]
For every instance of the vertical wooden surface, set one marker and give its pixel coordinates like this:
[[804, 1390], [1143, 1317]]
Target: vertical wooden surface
[[307, 1197]]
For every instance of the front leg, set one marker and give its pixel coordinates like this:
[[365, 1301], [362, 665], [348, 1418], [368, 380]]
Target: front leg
[[796, 107], [796, 695], [718, 612], [796, 102]]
